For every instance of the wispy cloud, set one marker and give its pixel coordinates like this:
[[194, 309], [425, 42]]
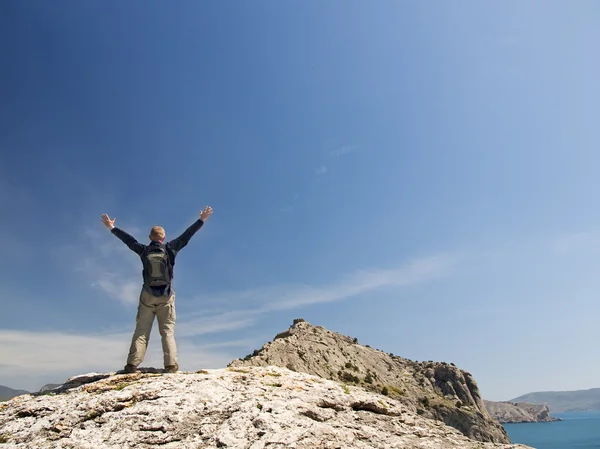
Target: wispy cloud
[[125, 290], [250, 304], [321, 170], [344, 149], [576, 241], [32, 359], [415, 272], [290, 207], [200, 324], [109, 265]]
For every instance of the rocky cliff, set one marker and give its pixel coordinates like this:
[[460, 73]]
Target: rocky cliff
[[433, 390], [518, 412], [242, 408]]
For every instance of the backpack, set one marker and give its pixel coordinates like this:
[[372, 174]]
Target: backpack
[[157, 266]]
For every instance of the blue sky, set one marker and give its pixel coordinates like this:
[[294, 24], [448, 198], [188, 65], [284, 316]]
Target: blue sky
[[422, 178]]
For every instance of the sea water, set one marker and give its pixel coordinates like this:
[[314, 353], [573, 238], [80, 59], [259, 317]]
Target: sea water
[[575, 431]]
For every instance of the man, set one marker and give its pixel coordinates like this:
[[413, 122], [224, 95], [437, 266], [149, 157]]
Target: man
[[157, 297]]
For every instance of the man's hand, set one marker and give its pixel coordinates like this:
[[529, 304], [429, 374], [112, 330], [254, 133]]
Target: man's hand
[[108, 222], [207, 212]]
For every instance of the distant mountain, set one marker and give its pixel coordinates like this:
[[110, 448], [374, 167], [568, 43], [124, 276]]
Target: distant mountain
[[565, 401], [8, 393]]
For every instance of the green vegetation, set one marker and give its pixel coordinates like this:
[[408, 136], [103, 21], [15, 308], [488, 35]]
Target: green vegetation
[[92, 414], [390, 390], [346, 389], [3, 438], [238, 370], [349, 365], [254, 354], [348, 377], [396, 391]]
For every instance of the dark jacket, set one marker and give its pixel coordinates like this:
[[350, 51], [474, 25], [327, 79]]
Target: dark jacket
[[173, 247]]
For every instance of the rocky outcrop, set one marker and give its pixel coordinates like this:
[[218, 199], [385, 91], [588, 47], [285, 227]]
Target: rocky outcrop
[[49, 387], [518, 412], [242, 408], [440, 391]]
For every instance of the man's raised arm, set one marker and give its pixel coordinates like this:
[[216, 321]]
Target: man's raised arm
[[183, 239], [131, 242]]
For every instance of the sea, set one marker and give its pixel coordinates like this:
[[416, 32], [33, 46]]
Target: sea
[[575, 431]]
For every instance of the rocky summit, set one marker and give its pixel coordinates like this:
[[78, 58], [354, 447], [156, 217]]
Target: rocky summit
[[435, 390], [246, 408]]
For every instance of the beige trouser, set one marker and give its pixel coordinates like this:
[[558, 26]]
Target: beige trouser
[[163, 307]]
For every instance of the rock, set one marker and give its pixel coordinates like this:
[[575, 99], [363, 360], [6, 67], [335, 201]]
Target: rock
[[242, 408], [435, 390], [49, 387], [519, 412]]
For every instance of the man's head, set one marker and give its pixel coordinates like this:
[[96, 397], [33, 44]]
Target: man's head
[[157, 233]]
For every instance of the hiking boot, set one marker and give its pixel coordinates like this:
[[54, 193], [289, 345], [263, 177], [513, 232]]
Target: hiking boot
[[130, 369], [171, 368]]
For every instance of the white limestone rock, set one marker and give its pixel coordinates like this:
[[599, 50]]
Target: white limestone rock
[[246, 408]]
